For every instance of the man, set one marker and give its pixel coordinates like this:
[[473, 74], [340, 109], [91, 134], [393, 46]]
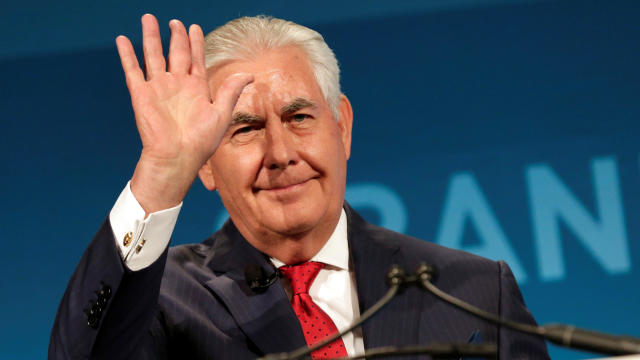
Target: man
[[274, 143]]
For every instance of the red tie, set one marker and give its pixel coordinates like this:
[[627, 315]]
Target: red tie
[[316, 324]]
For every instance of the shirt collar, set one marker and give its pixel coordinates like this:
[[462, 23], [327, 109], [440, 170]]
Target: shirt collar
[[335, 251]]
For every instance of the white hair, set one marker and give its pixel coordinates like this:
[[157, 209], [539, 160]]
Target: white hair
[[247, 37]]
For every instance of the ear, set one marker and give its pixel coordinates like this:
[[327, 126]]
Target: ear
[[345, 123], [206, 176]]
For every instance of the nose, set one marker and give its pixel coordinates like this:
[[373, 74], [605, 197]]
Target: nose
[[280, 147]]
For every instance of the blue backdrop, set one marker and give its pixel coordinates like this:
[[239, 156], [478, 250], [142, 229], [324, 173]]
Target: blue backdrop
[[509, 129]]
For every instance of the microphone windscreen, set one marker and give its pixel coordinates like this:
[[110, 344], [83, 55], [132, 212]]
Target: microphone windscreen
[[253, 274]]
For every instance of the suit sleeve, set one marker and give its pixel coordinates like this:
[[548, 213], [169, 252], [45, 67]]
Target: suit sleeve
[[109, 311], [515, 345]]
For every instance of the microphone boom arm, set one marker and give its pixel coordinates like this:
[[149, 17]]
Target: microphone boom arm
[[394, 279], [563, 335]]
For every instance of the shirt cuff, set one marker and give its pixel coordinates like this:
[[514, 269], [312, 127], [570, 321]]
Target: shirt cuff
[[140, 241]]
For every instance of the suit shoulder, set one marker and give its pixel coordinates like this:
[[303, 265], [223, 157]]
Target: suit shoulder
[[415, 250]]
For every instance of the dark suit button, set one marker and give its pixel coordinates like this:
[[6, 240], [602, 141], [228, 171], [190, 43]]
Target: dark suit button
[[102, 302], [92, 321], [91, 310], [106, 291], [96, 310]]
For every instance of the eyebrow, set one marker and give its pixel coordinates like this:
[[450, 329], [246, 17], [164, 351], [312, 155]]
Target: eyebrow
[[296, 105], [245, 118]]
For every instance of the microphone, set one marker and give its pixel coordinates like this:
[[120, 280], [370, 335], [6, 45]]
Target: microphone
[[560, 334], [257, 278], [395, 280]]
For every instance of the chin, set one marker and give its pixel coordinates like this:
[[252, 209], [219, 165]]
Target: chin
[[299, 227], [297, 220]]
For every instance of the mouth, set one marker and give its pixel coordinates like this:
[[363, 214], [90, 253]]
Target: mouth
[[284, 187]]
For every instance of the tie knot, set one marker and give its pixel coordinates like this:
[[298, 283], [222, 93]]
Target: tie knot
[[301, 275]]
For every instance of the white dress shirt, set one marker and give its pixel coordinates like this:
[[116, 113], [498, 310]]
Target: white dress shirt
[[141, 242], [334, 287]]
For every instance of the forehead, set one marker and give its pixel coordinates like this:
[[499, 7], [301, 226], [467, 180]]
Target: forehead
[[280, 76]]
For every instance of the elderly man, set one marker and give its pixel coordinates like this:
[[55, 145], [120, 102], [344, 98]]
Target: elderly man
[[255, 110]]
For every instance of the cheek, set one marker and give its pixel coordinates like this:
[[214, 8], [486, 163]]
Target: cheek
[[236, 167], [334, 137], [325, 153]]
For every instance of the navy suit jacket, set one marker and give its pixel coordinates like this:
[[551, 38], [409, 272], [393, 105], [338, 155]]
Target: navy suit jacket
[[194, 303]]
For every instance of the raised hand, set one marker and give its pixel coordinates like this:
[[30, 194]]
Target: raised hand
[[180, 127]]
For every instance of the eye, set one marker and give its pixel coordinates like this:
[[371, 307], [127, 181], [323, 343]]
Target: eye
[[300, 117], [244, 130], [247, 133]]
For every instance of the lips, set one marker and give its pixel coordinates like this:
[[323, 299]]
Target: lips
[[283, 184]]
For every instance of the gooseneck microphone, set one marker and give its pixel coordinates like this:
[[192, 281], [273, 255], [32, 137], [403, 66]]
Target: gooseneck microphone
[[560, 334], [396, 279], [257, 278], [563, 335]]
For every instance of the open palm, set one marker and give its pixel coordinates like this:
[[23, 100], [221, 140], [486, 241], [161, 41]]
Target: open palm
[[179, 125]]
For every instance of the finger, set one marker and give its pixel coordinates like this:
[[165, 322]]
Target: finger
[[152, 46], [132, 72], [179, 52], [229, 92], [196, 39]]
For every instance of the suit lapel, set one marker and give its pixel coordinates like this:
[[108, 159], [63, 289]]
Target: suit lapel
[[267, 318], [373, 251]]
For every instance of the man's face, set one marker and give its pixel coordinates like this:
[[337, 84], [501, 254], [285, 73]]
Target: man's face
[[281, 166]]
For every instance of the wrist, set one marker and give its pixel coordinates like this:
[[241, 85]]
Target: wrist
[[161, 184]]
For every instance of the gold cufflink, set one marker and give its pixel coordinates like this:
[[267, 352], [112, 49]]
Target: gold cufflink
[[139, 247], [127, 239]]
